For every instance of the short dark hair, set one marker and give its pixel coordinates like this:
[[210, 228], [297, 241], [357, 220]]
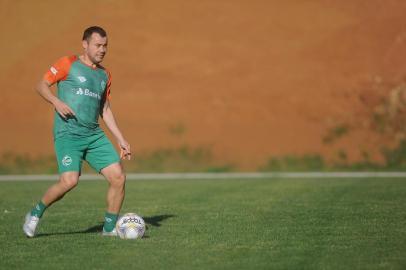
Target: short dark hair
[[93, 29]]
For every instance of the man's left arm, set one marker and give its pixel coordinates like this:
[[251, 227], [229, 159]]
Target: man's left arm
[[108, 118]]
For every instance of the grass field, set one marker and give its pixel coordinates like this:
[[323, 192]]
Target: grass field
[[214, 224]]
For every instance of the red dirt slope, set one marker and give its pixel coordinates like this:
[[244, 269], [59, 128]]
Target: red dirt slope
[[251, 79]]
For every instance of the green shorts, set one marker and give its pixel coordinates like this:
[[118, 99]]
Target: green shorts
[[97, 150]]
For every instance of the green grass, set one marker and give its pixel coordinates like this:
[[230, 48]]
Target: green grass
[[214, 224]]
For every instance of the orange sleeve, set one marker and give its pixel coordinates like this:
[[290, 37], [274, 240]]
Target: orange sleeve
[[108, 86], [60, 70]]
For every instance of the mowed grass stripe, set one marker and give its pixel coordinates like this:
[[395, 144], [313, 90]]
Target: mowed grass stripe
[[215, 224]]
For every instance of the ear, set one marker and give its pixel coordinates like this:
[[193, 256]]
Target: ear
[[85, 44]]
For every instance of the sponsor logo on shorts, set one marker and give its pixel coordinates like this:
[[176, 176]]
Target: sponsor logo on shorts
[[108, 219], [66, 161]]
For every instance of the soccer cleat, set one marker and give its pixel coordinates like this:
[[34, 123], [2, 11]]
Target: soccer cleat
[[30, 225], [112, 233]]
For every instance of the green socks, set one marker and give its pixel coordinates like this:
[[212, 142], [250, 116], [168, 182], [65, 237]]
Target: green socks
[[109, 221], [38, 210], [109, 218]]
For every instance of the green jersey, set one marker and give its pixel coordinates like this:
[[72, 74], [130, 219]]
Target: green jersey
[[84, 89]]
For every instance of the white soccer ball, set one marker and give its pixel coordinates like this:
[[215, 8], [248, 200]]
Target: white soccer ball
[[130, 226]]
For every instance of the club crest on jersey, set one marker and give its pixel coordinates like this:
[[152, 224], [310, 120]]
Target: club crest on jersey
[[82, 79], [66, 161]]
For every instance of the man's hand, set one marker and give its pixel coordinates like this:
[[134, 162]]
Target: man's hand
[[125, 151], [43, 88], [108, 118], [64, 110]]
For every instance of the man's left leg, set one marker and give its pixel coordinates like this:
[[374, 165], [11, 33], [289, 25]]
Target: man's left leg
[[103, 157], [114, 174]]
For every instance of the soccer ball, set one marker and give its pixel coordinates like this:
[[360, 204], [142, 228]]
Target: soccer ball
[[130, 226]]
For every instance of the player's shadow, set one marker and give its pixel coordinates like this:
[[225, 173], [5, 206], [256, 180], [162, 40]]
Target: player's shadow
[[156, 220], [149, 221]]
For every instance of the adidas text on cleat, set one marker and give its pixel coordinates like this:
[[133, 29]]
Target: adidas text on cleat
[[30, 225]]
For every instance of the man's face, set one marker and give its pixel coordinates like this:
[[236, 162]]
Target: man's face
[[95, 48]]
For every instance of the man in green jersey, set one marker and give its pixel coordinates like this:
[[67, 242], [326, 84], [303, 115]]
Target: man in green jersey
[[83, 93]]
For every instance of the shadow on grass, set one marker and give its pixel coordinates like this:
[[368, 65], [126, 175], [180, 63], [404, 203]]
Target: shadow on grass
[[155, 220], [149, 221]]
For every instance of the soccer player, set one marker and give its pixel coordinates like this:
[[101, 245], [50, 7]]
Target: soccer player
[[83, 93]]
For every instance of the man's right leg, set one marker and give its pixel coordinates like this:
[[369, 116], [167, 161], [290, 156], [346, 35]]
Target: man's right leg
[[67, 181]]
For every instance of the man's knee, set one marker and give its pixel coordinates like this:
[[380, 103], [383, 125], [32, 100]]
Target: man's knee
[[115, 175], [117, 179], [69, 181]]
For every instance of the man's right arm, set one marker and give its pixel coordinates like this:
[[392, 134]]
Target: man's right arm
[[57, 72], [43, 88]]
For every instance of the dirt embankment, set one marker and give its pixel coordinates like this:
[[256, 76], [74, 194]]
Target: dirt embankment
[[250, 79]]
